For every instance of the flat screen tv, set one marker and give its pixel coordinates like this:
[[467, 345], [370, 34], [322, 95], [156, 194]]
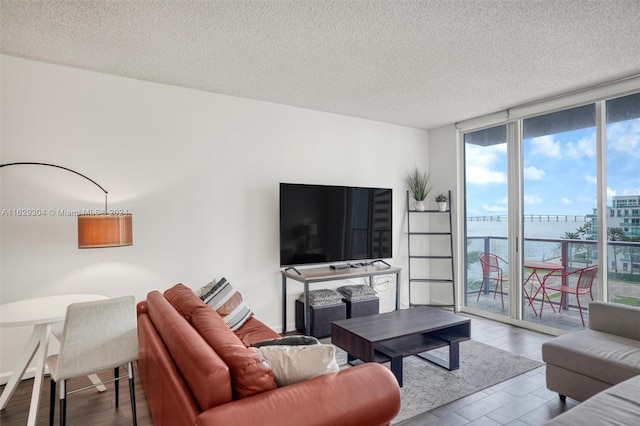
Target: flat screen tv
[[324, 224]]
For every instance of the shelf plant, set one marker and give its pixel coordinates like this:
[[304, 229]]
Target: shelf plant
[[442, 199], [419, 186]]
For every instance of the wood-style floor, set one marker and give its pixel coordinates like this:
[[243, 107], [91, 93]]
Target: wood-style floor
[[523, 400], [85, 408]]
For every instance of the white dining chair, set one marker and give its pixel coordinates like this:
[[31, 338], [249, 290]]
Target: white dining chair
[[97, 336]]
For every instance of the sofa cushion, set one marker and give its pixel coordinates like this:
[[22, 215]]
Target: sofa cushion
[[618, 405], [615, 318], [254, 331], [184, 300], [602, 356], [293, 364], [203, 370], [228, 302], [249, 373]]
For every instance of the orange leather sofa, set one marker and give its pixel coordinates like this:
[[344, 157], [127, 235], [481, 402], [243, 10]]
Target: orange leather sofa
[[187, 382]]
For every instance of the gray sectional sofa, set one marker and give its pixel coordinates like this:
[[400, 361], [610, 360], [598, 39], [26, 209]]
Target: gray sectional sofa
[[587, 365], [618, 405]]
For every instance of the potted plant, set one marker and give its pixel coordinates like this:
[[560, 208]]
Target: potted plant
[[441, 199], [419, 186]]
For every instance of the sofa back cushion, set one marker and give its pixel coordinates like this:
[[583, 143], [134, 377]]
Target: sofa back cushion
[[249, 373], [184, 300], [614, 318], [203, 370], [254, 331]]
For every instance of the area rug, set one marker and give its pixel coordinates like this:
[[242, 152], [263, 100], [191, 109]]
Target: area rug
[[427, 386]]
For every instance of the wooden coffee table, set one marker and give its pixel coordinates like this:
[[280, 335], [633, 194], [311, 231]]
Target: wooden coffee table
[[394, 335]]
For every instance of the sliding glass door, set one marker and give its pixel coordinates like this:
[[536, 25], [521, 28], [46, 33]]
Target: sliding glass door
[[487, 288], [623, 199], [559, 195]]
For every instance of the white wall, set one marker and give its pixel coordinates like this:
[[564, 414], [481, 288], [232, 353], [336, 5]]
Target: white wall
[[199, 172], [442, 164]]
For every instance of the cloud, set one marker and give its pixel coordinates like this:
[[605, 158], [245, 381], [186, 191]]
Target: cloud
[[479, 175], [532, 200], [483, 164], [499, 207], [494, 208], [565, 201], [546, 146], [610, 193], [635, 191], [591, 179], [585, 147], [624, 137], [534, 173]]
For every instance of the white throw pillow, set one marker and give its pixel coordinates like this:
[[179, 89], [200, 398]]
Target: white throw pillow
[[292, 364]]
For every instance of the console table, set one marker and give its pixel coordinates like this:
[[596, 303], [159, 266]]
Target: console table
[[317, 275]]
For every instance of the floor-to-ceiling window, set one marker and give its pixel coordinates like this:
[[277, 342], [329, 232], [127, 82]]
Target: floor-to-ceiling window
[[559, 194], [559, 169], [487, 221], [623, 199]]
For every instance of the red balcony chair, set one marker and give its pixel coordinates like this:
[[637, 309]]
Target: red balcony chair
[[583, 285], [492, 270]]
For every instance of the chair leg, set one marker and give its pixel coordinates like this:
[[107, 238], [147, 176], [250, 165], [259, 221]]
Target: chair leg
[[549, 300], [116, 375], [52, 402], [501, 294], [63, 402], [132, 394], [580, 308], [480, 291]]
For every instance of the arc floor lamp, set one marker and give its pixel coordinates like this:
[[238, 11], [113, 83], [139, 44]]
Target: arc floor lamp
[[99, 230]]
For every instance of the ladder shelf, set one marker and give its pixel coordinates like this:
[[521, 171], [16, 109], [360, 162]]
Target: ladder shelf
[[414, 257]]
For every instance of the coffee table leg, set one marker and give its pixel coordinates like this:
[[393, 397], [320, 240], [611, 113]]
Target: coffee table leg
[[454, 355], [396, 361], [396, 368]]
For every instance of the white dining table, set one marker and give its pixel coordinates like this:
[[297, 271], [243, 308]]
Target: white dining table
[[43, 313]]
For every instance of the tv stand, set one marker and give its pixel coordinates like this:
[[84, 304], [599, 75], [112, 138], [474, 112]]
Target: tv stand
[[317, 275], [294, 268], [380, 261]]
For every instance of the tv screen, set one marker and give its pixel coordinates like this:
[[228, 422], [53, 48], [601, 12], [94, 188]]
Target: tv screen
[[323, 224]]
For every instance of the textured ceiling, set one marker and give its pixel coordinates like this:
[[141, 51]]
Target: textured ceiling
[[415, 63]]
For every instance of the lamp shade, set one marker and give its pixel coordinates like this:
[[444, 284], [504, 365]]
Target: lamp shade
[[104, 231]]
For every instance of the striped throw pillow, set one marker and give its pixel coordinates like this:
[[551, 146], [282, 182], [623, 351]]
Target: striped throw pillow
[[227, 301]]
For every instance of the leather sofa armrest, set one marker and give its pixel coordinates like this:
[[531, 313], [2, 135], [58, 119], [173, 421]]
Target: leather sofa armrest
[[365, 395], [614, 318]]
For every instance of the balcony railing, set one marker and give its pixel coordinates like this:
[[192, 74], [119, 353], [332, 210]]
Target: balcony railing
[[623, 266]]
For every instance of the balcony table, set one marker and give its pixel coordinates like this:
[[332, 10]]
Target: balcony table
[[42, 313], [534, 279]]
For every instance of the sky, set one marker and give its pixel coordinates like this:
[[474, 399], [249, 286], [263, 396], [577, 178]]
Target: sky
[[559, 172]]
